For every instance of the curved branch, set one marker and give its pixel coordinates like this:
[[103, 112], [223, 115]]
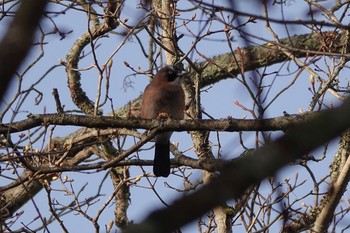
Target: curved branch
[[79, 97]]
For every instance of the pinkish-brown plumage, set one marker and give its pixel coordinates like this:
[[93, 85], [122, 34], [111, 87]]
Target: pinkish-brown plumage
[[164, 95]]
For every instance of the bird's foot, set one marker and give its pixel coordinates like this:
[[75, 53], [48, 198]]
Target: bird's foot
[[163, 116]]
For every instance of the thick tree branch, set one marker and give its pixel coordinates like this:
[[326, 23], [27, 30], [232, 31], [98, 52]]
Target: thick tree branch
[[78, 95], [282, 123], [337, 188], [18, 39], [237, 176], [229, 65]]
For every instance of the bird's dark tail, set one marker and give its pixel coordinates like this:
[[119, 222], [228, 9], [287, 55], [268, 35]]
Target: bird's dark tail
[[161, 164]]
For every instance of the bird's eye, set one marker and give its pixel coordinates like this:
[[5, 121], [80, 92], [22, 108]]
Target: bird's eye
[[171, 72]]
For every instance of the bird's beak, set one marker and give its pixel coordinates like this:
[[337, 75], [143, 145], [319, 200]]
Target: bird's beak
[[182, 74]]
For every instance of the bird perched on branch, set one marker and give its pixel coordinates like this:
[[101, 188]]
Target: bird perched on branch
[[163, 97]]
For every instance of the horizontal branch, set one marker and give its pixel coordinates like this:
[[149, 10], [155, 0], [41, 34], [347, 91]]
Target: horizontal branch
[[228, 124]]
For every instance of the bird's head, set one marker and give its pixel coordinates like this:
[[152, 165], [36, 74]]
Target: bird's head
[[169, 73]]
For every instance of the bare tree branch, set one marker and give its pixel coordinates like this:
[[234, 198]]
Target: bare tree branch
[[228, 125], [33, 157], [18, 39], [237, 176], [337, 187]]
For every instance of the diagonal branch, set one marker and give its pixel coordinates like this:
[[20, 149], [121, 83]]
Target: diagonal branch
[[337, 188], [18, 39], [229, 65], [237, 176]]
